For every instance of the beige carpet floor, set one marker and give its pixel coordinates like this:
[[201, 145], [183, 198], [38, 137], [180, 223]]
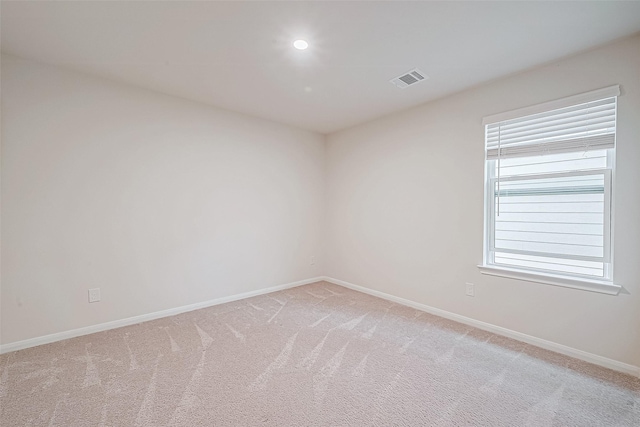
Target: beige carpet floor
[[316, 355]]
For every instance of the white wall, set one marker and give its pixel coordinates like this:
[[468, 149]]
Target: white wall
[[160, 202], [405, 208]]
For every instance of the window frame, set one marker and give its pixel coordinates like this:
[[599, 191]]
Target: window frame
[[491, 213], [605, 284]]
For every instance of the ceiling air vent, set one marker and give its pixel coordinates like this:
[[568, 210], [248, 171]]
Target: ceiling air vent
[[412, 77]]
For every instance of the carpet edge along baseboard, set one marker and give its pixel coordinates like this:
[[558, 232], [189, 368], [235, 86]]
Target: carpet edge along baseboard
[[529, 339]]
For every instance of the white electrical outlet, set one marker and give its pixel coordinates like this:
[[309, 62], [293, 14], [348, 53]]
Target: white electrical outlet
[[313, 260], [94, 295], [470, 289]]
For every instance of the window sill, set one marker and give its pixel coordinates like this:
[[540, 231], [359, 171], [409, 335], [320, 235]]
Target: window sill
[[600, 286]]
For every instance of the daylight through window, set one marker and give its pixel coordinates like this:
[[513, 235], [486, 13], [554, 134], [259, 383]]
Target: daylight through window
[[549, 185]]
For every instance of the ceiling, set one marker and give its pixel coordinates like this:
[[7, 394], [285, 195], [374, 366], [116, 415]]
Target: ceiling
[[239, 55]]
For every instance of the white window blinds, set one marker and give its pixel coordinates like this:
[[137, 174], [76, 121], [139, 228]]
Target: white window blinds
[[584, 127]]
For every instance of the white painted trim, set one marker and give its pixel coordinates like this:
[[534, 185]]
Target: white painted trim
[[594, 95], [538, 342], [600, 286], [47, 339]]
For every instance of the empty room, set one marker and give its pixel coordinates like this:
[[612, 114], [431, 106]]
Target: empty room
[[298, 213]]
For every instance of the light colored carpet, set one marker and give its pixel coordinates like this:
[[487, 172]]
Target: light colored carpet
[[316, 355]]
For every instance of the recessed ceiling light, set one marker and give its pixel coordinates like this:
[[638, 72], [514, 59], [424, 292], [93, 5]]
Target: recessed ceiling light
[[300, 44]]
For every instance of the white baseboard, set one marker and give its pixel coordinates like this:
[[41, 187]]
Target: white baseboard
[[32, 342], [538, 342]]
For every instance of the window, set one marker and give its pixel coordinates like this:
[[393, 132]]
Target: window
[[549, 192]]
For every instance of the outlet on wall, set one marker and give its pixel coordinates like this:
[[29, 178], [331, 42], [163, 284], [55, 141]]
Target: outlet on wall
[[470, 289], [313, 260], [94, 295]]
